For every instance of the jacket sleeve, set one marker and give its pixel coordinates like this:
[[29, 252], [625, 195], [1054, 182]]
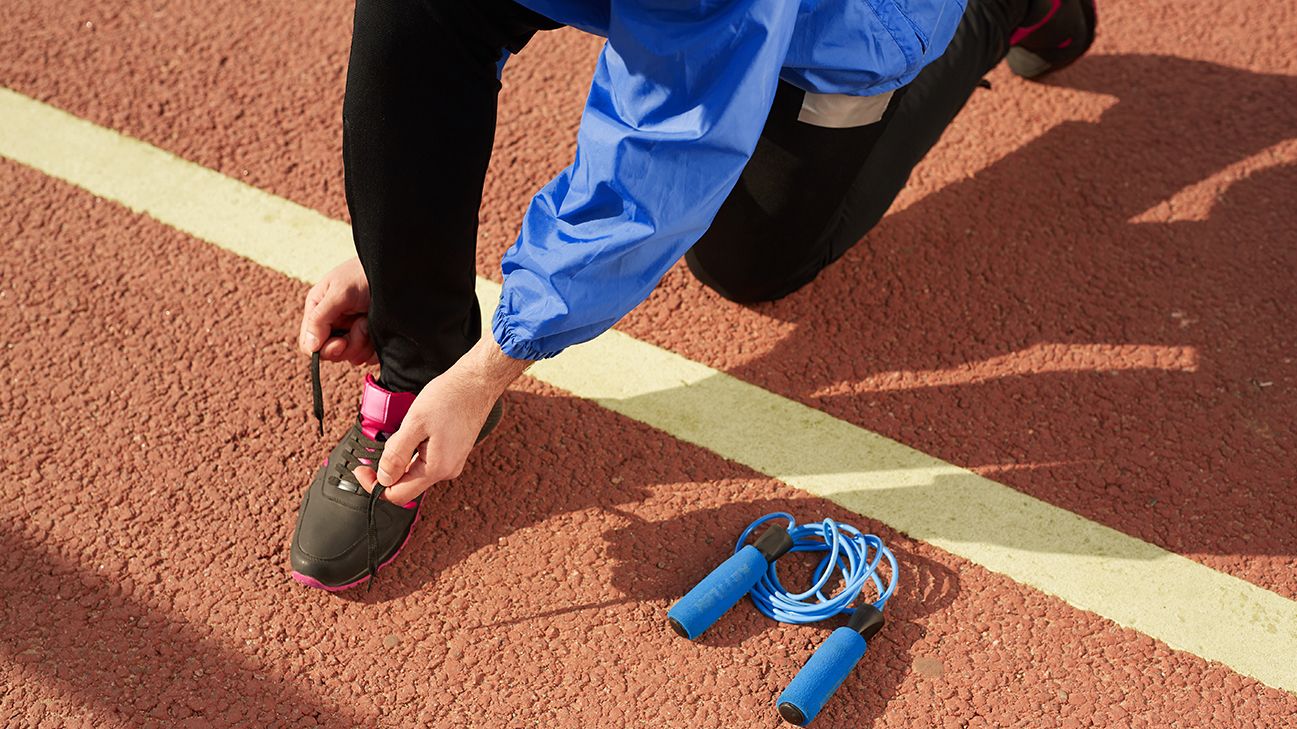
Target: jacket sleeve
[[679, 97]]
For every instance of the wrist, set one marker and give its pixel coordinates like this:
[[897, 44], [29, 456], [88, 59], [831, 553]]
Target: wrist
[[490, 367]]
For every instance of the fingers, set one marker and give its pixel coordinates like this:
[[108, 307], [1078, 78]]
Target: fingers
[[359, 349], [334, 347], [399, 451], [350, 343], [366, 477], [417, 479], [315, 328], [406, 467], [338, 302], [345, 339]]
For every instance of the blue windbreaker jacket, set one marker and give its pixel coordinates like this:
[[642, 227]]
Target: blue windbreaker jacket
[[679, 97]]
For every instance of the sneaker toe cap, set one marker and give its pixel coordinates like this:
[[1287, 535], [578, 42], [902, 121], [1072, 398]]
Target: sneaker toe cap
[[331, 546]]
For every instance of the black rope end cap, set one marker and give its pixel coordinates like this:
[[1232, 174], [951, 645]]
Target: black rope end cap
[[867, 621], [774, 544], [792, 714]]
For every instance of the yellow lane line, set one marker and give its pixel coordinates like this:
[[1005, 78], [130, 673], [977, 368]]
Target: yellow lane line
[[1186, 605]]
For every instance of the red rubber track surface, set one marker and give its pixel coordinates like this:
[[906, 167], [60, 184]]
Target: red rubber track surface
[[1015, 232], [158, 431]]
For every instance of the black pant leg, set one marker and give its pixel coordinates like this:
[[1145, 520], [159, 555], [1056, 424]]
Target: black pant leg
[[808, 194], [764, 242], [931, 103], [418, 126]]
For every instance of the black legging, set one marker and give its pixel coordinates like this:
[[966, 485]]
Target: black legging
[[418, 127]]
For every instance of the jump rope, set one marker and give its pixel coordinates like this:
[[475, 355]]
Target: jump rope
[[752, 571]]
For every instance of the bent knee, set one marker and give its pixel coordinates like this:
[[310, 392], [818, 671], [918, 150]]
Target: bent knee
[[748, 282]]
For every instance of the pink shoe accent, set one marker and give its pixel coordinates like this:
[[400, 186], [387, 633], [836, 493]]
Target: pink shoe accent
[[382, 411], [1021, 33], [1065, 44]]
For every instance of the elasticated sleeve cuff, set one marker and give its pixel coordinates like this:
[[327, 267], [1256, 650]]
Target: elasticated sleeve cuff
[[512, 342]]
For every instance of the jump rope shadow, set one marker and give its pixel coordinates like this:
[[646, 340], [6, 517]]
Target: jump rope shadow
[[924, 587]]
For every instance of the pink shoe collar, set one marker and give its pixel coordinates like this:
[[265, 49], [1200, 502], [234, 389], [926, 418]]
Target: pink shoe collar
[[382, 411]]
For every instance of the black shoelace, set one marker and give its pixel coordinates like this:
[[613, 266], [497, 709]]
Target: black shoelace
[[317, 393], [354, 447]]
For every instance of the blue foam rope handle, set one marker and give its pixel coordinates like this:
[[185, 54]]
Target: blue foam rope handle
[[719, 591], [823, 673]]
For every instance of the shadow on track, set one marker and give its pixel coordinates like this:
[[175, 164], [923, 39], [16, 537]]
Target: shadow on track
[[1053, 256], [86, 633], [1069, 242]]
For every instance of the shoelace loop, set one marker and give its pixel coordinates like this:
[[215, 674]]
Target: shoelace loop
[[374, 497]]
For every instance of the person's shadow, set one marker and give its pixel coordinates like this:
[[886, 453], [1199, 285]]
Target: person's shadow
[[1175, 294]]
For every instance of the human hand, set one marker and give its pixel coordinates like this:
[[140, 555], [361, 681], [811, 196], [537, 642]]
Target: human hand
[[338, 303], [442, 425]]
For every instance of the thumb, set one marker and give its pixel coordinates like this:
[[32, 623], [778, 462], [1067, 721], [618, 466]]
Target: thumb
[[407, 489], [399, 451], [414, 482]]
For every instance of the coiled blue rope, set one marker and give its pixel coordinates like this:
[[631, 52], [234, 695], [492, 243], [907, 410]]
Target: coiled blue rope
[[847, 551]]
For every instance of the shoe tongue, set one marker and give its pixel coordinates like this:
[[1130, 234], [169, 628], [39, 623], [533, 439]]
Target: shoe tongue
[[381, 412]]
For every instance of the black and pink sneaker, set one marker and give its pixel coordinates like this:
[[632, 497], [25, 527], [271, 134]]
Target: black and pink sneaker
[[345, 534], [1055, 33]]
